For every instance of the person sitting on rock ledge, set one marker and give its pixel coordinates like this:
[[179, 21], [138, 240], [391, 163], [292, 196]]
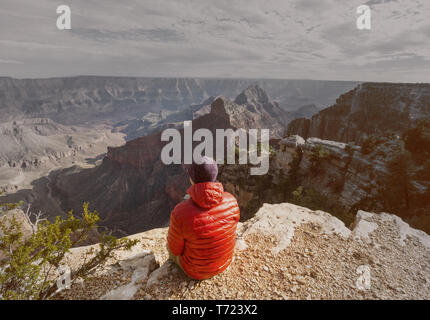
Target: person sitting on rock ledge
[[202, 231]]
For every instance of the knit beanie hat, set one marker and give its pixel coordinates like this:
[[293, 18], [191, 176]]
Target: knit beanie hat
[[206, 171]]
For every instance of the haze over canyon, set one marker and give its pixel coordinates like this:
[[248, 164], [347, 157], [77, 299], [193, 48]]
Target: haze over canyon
[[97, 139]]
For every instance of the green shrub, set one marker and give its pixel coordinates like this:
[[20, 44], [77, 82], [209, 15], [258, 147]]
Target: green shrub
[[370, 143], [293, 172], [27, 263], [349, 149], [309, 198], [272, 151], [318, 155]]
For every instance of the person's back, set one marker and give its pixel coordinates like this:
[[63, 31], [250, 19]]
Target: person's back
[[202, 232]]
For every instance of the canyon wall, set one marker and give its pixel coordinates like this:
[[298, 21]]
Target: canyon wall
[[336, 177], [370, 108]]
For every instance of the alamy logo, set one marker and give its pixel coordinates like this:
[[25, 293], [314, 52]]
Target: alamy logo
[[64, 21], [63, 281], [363, 281], [363, 21], [248, 152]]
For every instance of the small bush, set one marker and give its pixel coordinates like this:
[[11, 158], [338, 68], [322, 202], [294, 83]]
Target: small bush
[[309, 198], [317, 157], [370, 143], [272, 151], [293, 173], [28, 263], [349, 149]]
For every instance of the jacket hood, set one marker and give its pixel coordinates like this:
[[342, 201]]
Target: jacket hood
[[206, 194]]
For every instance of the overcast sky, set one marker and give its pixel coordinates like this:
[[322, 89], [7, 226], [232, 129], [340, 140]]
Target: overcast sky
[[306, 39]]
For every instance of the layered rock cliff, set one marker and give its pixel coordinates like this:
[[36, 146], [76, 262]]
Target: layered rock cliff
[[336, 177], [284, 252], [370, 108]]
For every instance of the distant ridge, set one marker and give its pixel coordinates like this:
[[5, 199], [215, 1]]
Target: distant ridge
[[79, 99]]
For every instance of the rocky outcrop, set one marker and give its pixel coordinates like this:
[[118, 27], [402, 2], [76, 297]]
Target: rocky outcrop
[[265, 113], [370, 108], [335, 176], [284, 252], [345, 174]]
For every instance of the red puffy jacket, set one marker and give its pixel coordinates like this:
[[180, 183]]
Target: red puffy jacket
[[202, 230]]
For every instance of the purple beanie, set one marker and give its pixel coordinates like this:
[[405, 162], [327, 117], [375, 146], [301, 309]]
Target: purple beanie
[[207, 171]]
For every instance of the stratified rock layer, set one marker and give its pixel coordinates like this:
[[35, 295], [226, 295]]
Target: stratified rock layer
[[370, 108]]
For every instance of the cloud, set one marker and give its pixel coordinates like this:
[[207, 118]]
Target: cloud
[[376, 2], [137, 34], [10, 61], [244, 38]]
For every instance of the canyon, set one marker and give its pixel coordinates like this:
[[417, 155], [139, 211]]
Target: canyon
[[31, 148], [134, 191], [87, 99], [347, 188]]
